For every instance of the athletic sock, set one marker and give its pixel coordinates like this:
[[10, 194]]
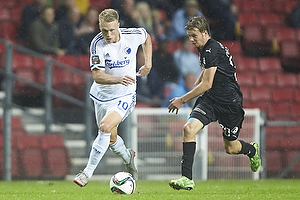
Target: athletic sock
[[247, 149], [99, 147], [189, 149], [120, 149]]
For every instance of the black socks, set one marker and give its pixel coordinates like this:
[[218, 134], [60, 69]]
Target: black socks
[[247, 149], [187, 161]]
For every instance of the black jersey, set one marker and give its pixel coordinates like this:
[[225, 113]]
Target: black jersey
[[225, 89]]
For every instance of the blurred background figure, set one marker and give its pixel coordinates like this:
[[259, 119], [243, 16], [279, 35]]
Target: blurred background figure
[[181, 16], [295, 16], [186, 60], [143, 16], [164, 73], [182, 88], [225, 13], [30, 13], [126, 13], [61, 12], [43, 34], [68, 30]]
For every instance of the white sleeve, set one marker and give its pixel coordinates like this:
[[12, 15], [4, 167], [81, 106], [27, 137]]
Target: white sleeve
[[97, 61]]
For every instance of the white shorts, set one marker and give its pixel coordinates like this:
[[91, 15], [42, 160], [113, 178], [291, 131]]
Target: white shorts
[[123, 105]]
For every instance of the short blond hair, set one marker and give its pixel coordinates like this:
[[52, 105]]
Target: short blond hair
[[109, 15]]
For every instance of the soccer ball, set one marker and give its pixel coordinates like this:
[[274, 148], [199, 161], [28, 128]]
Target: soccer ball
[[122, 183]]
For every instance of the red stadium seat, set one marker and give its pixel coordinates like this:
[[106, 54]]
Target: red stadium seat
[[56, 157], [247, 19], [247, 64], [22, 61], [70, 60], [270, 19], [282, 94], [84, 63], [233, 46], [245, 79], [265, 79], [260, 94], [274, 161], [251, 6], [285, 33], [289, 55], [9, 31], [295, 112], [297, 94], [278, 111], [30, 156], [269, 64], [287, 80], [101, 5], [4, 14], [21, 88]]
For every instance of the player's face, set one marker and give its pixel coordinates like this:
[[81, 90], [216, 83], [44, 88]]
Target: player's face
[[110, 31], [197, 38]]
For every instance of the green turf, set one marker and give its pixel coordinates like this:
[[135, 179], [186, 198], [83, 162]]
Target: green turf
[[212, 189]]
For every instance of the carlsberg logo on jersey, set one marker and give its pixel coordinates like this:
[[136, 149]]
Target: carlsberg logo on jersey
[[116, 64]]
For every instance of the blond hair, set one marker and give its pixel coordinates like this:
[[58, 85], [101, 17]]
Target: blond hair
[[109, 15]]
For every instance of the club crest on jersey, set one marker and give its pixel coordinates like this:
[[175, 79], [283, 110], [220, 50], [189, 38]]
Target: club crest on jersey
[[95, 59], [127, 50]]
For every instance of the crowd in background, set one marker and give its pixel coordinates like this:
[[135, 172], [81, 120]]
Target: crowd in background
[[68, 28]]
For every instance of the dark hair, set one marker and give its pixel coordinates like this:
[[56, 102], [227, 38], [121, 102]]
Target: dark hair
[[197, 22]]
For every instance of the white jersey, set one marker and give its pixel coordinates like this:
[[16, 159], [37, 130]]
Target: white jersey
[[116, 59]]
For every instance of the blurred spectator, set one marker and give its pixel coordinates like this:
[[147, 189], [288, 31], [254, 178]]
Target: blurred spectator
[[68, 28], [225, 12], [181, 16], [43, 34], [186, 60], [182, 88], [163, 5], [143, 16], [126, 13], [87, 30], [163, 73], [143, 91], [159, 25], [295, 16], [62, 11], [30, 13], [83, 6]]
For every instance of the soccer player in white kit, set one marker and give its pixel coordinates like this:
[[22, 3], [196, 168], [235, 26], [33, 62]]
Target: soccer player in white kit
[[113, 65]]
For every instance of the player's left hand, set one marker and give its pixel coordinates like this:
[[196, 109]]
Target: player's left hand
[[175, 105], [143, 71]]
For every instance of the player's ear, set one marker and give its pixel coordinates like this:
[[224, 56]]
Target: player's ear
[[118, 24]]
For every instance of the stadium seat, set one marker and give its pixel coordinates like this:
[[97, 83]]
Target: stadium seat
[[70, 60], [276, 6], [260, 105], [84, 63], [30, 156], [287, 80], [274, 161], [20, 87], [285, 33], [261, 94], [22, 61], [289, 55], [269, 64], [292, 130], [282, 94], [246, 94], [270, 18], [265, 79], [233, 46], [253, 42], [247, 19], [252, 6], [4, 14], [9, 31], [295, 112], [247, 64], [245, 79], [56, 157], [297, 94], [290, 156], [278, 111], [8, 4], [15, 164], [291, 142], [289, 5], [16, 15]]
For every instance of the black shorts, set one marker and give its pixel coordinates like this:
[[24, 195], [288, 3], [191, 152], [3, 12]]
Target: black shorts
[[230, 117]]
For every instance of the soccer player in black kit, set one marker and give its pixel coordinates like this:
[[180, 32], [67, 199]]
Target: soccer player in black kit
[[221, 99]]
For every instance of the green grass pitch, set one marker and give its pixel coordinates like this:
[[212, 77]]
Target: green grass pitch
[[148, 190]]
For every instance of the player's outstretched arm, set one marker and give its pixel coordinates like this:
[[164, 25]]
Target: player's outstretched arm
[[147, 49]]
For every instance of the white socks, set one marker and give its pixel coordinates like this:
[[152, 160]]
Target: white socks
[[120, 149], [99, 148]]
